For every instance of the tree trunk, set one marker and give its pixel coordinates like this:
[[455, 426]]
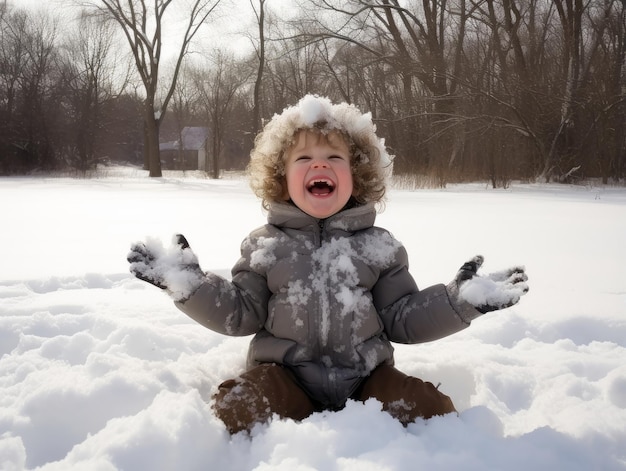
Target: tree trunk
[[572, 32], [152, 154], [620, 170], [256, 118], [146, 147]]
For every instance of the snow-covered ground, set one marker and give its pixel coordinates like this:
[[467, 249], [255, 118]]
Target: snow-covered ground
[[99, 371]]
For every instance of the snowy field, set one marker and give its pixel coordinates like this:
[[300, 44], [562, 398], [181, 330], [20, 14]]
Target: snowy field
[[99, 371]]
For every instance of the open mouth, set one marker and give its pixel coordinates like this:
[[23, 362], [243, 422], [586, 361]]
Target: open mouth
[[320, 187]]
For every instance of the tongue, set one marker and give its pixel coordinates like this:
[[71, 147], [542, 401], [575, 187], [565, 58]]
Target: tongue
[[320, 190]]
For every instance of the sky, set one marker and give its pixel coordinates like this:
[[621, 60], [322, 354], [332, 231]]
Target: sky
[[227, 29], [100, 371]]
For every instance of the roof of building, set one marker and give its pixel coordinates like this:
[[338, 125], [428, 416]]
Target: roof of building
[[193, 138]]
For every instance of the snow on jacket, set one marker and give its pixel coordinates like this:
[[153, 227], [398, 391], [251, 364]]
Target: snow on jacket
[[325, 298]]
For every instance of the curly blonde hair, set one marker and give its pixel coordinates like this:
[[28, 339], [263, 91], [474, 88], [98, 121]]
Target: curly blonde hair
[[370, 162]]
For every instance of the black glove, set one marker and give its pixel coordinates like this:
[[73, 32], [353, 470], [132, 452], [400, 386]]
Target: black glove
[[491, 292], [175, 270]]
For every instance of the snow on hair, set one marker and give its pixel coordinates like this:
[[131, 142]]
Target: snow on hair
[[371, 164]]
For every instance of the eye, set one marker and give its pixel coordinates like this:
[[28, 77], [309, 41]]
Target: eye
[[302, 158], [336, 157]]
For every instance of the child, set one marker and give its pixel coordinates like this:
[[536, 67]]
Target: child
[[323, 289]]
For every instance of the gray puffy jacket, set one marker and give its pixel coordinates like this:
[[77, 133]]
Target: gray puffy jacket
[[325, 298]]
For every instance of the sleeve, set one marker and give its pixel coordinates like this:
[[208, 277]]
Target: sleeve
[[411, 315], [237, 307]]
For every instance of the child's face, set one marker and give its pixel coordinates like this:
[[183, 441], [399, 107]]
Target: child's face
[[319, 177]]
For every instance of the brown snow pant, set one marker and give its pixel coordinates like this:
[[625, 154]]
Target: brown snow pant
[[272, 389]]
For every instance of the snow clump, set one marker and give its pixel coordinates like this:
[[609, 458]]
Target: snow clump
[[316, 112]]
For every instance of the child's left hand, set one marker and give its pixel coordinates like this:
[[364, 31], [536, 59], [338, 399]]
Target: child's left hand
[[491, 292]]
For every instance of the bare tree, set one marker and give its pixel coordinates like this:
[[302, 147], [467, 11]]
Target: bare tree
[[143, 26], [217, 87], [461, 89], [620, 165], [260, 52], [184, 104], [422, 42], [91, 76], [27, 64], [543, 53], [13, 56]]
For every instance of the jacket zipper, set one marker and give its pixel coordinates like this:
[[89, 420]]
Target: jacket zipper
[[329, 382], [319, 316]]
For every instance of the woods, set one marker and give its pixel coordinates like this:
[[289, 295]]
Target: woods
[[462, 90]]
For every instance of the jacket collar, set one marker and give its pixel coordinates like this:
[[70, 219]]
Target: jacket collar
[[287, 215]]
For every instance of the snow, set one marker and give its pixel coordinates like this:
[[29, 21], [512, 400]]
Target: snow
[[100, 371]]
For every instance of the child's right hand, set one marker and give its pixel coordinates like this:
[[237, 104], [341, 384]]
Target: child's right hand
[[175, 269]]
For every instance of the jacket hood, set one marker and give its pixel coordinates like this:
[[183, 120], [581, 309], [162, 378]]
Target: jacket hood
[[317, 112]]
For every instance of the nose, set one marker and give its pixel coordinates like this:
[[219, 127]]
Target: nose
[[319, 163]]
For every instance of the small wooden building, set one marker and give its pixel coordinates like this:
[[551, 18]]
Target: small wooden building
[[187, 153]]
